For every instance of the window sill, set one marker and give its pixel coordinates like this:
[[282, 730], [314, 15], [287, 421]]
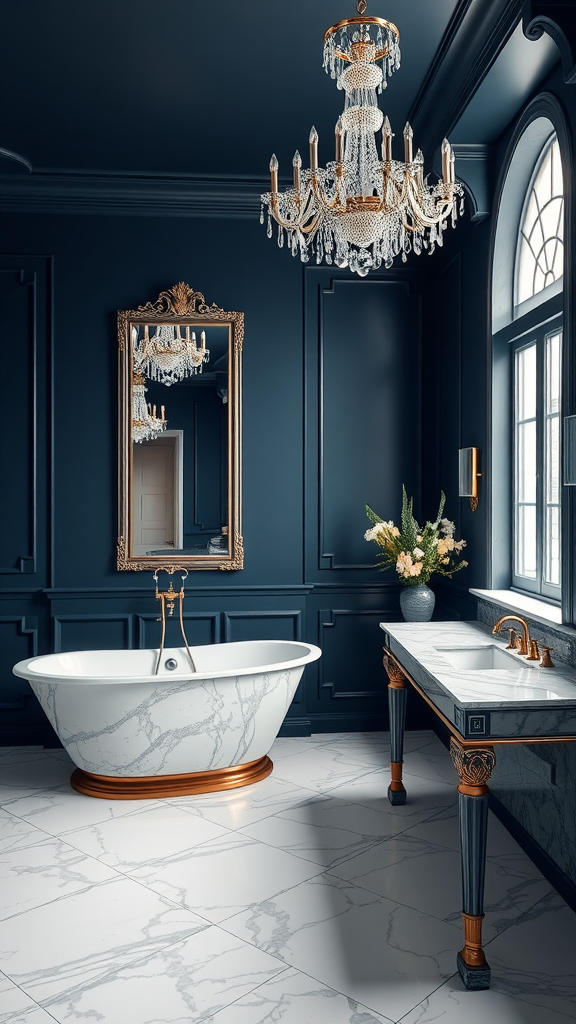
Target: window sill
[[540, 611]]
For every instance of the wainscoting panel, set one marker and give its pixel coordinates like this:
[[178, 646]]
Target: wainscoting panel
[[93, 632], [200, 628], [25, 346], [262, 625], [18, 640]]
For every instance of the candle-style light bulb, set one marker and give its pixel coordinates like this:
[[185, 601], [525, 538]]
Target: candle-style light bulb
[[419, 161], [408, 136], [313, 140], [296, 165], [162, 412], [203, 341], [339, 138], [445, 161], [273, 173], [387, 137], [193, 339], [188, 334], [451, 166]]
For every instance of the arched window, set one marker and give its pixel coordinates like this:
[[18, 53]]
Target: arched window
[[540, 257], [527, 346]]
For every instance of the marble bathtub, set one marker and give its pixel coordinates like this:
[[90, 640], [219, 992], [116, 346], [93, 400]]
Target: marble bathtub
[[135, 734]]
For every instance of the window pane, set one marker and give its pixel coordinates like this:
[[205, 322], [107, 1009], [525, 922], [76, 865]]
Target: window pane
[[540, 257], [526, 541], [526, 382], [526, 461], [552, 546], [553, 348]]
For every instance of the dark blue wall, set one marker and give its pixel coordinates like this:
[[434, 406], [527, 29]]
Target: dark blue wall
[[332, 387]]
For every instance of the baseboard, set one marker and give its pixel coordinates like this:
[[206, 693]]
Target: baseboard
[[295, 727]]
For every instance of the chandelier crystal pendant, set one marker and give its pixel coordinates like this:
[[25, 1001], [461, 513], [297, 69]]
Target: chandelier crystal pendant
[[362, 210], [146, 425], [168, 356]]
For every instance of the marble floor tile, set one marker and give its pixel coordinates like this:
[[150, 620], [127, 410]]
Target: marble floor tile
[[185, 982], [443, 829], [423, 801], [15, 833], [322, 768], [23, 778], [40, 874], [324, 829], [402, 869], [15, 1005], [286, 746], [245, 805], [61, 809], [221, 877], [377, 952], [533, 976], [433, 763], [19, 755], [151, 835], [295, 998], [62, 947]]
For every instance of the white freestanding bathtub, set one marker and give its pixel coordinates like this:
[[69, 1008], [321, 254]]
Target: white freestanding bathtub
[[134, 734]]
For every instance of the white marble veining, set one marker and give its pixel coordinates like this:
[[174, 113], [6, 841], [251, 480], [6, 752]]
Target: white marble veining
[[115, 717], [525, 683], [301, 900]]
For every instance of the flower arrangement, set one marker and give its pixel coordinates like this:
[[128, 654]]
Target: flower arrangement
[[416, 552]]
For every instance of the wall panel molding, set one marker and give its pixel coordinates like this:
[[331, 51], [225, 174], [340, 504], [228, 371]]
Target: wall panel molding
[[291, 617], [62, 630], [329, 620], [26, 627], [26, 342]]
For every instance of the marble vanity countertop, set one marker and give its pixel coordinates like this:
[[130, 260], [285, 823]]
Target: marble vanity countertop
[[490, 702]]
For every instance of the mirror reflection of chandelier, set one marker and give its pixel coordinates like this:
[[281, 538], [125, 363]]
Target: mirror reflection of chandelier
[[168, 356], [362, 211], [146, 425]]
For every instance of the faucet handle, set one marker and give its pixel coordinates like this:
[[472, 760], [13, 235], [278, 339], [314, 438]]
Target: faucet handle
[[534, 652], [522, 647], [546, 659], [513, 643]]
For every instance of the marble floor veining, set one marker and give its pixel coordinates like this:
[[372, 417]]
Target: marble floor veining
[[304, 899]]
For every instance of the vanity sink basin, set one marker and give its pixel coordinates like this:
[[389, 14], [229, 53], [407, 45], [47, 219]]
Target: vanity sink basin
[[485, 658]]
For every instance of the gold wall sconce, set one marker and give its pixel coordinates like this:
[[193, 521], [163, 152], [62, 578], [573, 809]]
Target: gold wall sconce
[[468, 474]]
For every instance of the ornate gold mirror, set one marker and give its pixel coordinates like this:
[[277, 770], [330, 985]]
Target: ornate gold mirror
[[180, 423]]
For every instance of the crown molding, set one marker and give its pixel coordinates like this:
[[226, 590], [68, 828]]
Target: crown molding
[[63, 191], [475, 176], [558, 19], [475, 37]]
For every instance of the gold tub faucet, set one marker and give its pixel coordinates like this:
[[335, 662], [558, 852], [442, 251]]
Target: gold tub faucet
[[524, 639]]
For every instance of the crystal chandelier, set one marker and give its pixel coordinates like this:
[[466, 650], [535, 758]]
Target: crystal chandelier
[[146, 425], [362, 211], [168, 356]]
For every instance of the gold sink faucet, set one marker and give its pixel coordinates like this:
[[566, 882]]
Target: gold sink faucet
[[524, 639]]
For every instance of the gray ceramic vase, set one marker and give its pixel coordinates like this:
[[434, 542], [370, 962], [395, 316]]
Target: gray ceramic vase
[[417, 603]]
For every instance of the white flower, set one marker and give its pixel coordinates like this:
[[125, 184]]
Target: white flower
[[418, 552], [447, 527]]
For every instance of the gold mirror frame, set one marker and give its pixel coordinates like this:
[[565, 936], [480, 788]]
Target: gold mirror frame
[[180, 305]]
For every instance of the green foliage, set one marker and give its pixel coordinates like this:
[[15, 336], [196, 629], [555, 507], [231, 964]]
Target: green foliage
[[416, 552]]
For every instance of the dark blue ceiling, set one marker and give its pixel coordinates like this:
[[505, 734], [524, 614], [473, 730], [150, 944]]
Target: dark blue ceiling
[[188, 88]]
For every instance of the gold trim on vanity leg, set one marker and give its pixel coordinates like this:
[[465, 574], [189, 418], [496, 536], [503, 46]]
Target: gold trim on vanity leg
[[397, 694], [473, 954], [474, 767], [107, 787]]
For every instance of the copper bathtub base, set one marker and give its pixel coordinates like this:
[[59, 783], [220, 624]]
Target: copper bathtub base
[[108, 787]]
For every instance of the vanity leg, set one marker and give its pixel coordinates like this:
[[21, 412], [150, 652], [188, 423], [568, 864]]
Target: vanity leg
[[474, 767], [397, 696]]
